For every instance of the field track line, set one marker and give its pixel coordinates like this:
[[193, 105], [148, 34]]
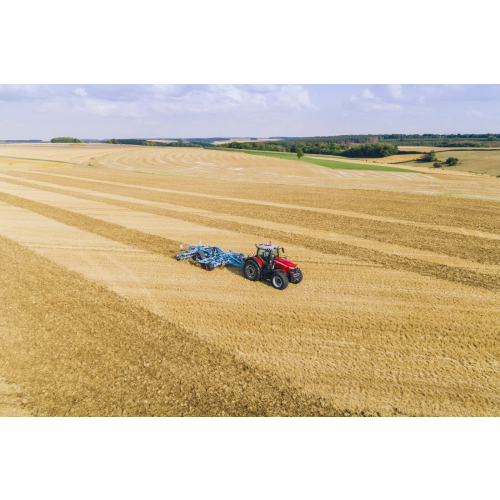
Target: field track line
[[241, 225], [78, 349], [485, 251], [343, 213], [115, 232], [41, 159], [149, 242]]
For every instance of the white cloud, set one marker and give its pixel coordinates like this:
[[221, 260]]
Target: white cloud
[[153, 100], [294, 96], [390, 99], [395, 91], [366, 101]]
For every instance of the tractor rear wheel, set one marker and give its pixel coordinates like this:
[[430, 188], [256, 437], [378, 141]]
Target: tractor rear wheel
[[279, 280], [252, 270]]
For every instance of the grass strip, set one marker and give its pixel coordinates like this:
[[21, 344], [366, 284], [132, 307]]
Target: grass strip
[[337, 164]]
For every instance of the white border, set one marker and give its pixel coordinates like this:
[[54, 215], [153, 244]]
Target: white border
[[249, 458], [110, 41]]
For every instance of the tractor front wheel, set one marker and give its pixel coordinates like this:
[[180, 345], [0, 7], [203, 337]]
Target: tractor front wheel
[[298, 276], [279, 280], [252, 271]]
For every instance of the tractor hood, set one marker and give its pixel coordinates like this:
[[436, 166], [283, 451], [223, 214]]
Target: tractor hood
[[285, 263]]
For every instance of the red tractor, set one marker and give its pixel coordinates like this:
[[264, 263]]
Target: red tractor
[[268, 264]]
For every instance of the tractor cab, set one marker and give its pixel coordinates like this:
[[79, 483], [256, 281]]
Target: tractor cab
[[267, 253]]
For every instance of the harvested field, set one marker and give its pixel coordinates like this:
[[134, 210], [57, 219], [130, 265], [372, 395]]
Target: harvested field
[[471, 160], [423, 149], [391, 160], [398, 313], [481, 162]]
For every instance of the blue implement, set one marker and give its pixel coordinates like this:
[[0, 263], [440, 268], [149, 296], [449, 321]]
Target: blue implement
[[210, 257]]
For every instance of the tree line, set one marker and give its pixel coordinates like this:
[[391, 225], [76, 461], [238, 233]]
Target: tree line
[[328, 144], [370, 150], [65, 139], [142, 142]]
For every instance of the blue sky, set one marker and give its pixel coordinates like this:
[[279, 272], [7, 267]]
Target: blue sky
[[150, 111]]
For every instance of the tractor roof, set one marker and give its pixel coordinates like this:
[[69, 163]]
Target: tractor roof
[[267, 246]]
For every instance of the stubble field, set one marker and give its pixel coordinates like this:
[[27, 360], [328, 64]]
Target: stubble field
[[398, 313]]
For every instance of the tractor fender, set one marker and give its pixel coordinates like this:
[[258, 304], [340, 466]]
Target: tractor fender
[[256, 259]]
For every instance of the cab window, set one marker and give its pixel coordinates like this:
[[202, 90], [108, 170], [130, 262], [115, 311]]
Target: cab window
[[264, 254]]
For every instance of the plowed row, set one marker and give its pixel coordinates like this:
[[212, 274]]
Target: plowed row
[[398, 313]]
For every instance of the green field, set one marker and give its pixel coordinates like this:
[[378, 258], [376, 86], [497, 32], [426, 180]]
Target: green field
[[327, 163]]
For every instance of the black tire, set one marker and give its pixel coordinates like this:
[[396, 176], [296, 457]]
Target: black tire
[[208, 267], [252, 271], [199, 256], [298, 278], [279, 280]]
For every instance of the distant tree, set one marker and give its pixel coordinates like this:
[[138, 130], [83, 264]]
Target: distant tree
[[437, 164], [299, 153], [431, 157], [452, 161], [142, 142]]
